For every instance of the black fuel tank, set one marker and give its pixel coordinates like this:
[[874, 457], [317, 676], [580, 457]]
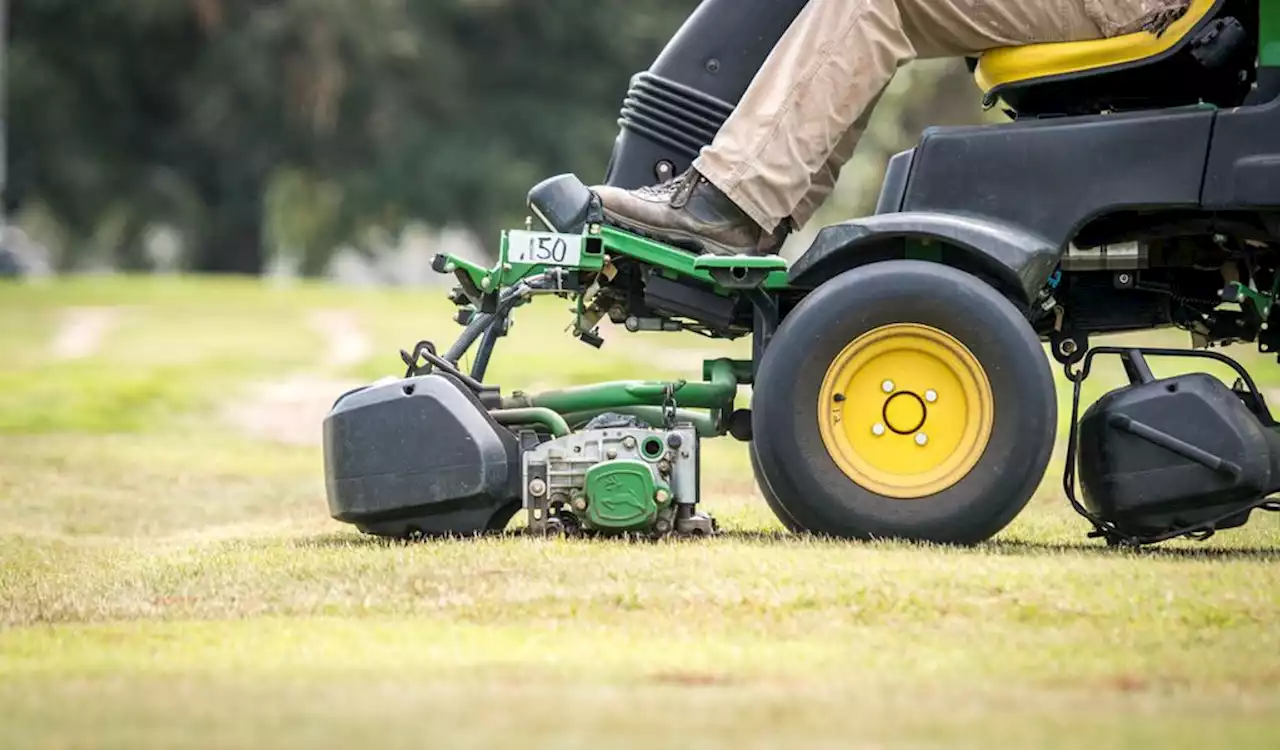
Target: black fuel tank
[[678, 105]]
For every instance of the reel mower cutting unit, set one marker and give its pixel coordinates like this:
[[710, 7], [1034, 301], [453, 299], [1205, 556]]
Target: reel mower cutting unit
[[900, 383]]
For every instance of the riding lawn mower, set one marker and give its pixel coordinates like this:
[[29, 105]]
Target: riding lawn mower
[[900, 387]]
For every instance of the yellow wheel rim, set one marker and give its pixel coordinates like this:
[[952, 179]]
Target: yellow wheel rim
[[906, 411]]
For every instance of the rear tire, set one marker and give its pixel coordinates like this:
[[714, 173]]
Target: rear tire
[[771, 497], [904, 400]]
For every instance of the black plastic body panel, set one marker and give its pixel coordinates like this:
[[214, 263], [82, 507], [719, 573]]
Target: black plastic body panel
[[894, 188], [1049, 177], [679, 104], [1146, 488], [1004, 201], [1244, 163], [1013, 259], [419, 454]]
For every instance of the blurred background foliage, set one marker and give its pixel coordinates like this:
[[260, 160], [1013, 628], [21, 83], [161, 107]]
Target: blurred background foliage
[[312, 136]]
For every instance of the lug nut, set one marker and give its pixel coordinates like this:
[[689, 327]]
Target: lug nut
[[922, 439], [931, 395], [877, 429], [887, 386], [537, 488]]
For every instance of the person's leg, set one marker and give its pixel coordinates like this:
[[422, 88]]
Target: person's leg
[[762, 175], [779, 154], [797, 119], [820, 77], [824, 182]]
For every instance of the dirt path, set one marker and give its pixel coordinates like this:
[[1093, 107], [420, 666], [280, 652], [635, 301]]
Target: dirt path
[[291, 409], [82, 330], [347, 343]]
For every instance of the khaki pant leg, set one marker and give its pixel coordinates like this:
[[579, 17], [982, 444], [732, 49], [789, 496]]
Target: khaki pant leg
[[780, 153], [815, 84]]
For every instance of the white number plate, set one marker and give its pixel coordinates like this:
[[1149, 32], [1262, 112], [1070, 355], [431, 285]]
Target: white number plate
[[544, 248]]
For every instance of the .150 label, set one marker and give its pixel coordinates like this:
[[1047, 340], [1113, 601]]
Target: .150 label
[[544, 248]]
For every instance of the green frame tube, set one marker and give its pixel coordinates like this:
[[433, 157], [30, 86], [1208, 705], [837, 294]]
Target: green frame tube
[[718, 393], [532, 415]]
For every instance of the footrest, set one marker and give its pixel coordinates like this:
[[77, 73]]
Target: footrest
[[740, 271]]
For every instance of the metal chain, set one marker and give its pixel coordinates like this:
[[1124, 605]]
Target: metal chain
[[669, 404]]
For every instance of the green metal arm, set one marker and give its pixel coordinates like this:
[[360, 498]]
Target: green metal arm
[[718, 393], [532, 415]]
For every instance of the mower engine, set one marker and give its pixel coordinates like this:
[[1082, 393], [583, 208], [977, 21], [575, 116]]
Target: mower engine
[[617, 475]]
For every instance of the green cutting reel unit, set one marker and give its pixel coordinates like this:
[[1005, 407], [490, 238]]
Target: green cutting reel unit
[[900, 383]]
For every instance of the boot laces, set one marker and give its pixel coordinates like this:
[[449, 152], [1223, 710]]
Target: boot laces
[[666, 189]]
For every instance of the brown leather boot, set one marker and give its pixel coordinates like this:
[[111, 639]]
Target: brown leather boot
[[691, 213]]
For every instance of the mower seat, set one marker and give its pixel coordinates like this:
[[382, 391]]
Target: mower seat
[[1206, 55]]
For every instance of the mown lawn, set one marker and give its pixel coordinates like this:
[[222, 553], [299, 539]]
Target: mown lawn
[[169, 577]]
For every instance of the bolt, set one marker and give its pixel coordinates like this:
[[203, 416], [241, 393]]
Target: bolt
[[629, 442], [922, 439], [664, 466], [931, 395], [537, 488], [674, 440], [580, 503], [1067, 347], [1265, 326], [1123, 278], [838, 398], [887, 386], [663, 526], [661, 496], [877, 429], [611, 454]]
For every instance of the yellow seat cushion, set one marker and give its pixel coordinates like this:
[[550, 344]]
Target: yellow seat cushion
[[1006, 65]]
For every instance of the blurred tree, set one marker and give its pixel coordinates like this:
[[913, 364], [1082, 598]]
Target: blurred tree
[[300, 126], [304, 123]]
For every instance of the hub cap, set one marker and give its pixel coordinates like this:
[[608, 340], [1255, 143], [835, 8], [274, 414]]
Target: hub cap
[[906, 411]]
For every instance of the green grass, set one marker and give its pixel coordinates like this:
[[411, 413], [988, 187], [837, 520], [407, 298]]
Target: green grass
[[169, 578]]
